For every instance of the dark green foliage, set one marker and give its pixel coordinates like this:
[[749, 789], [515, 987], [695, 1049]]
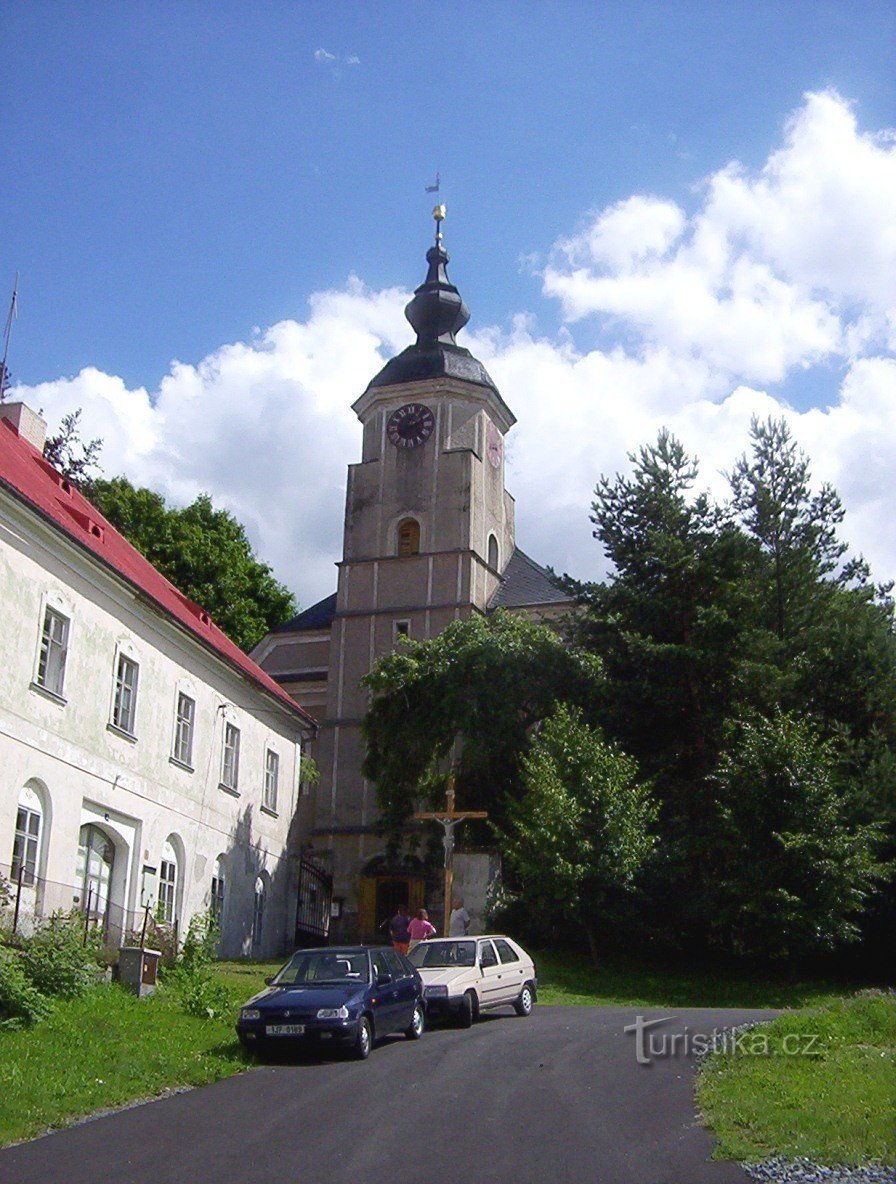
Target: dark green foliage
[[582, 828], [792, 873], [21, 1003], [483, 682], [56, 960], [204, 552], [68, 452]]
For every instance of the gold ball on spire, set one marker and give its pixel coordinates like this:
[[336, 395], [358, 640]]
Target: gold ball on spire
[[439, 213]]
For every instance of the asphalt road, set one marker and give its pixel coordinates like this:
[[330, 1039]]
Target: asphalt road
[[556, 1097]]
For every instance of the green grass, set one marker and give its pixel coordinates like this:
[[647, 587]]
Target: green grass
[[630, 981], [833, 1100]]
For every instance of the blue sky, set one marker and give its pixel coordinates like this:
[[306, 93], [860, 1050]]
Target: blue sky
[[180, 174]]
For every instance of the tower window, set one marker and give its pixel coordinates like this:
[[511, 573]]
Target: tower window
[[493, 552], [400, 629], [408, 537]]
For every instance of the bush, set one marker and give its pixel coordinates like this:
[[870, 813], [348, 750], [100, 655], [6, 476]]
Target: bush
[[56, 960], [21, 1003], [191, 979]]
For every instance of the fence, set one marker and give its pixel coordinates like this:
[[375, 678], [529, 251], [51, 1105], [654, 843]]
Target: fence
[[26, 901]]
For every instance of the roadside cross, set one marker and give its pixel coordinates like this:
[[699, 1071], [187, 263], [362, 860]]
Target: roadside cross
[[448, 819]]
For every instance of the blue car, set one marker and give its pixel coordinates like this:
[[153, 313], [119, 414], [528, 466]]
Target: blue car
[[346, 997]]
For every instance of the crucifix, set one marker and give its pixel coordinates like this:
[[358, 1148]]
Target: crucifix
[[448, 820]]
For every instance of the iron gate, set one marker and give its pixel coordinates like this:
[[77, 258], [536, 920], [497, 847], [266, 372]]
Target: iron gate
[[315, 895]]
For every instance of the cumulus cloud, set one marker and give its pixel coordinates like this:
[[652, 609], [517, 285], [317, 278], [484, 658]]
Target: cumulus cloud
[[713, 311]]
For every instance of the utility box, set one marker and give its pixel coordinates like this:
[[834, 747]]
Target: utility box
[[138, 969]]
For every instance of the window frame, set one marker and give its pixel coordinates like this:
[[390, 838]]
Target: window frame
[[230, 757], [218, 894], [182, 726], [166, 902], [271, 784], [126, 725], [44, 652], [24, 838], [259, 902]]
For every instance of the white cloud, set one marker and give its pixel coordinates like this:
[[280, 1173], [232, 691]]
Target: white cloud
[[771, 273], [323, 55]]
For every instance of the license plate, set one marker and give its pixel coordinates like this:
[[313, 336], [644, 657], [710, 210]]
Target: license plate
[[285, 1029]]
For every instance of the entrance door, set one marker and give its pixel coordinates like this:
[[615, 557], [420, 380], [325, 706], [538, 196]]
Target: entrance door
[[96, 858], [378, 901]]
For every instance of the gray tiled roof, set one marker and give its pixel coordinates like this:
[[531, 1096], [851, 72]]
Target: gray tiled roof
[[318, 616], [526, 583]]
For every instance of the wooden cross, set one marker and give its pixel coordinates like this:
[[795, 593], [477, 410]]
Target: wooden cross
[[448, 819]]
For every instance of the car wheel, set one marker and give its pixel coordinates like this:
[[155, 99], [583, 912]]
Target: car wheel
[[467, 1011], [525, 1002], [364, 1040], [415, 1031]]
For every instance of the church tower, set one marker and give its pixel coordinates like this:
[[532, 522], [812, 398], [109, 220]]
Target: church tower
[[428, 539]]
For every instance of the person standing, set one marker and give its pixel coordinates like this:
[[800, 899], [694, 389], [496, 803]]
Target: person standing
[[421, 927], [459, 921], [398, 929]]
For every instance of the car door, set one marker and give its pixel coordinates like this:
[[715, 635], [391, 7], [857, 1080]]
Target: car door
[[513, 970], [387, 1005], [490, 977], [406, 993]]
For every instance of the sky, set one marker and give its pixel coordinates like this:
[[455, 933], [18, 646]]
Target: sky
[[659, 214]]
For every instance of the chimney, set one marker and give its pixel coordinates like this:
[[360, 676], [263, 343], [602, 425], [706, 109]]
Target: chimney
[[27, 423]]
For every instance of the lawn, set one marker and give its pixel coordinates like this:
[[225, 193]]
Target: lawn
[[632, 981], [825, 1087]]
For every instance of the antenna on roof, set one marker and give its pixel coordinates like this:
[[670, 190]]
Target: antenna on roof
[[7, 333]]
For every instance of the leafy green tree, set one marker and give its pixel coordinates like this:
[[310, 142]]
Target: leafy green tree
[[478, 688], [582, 829], [204, 552], [68, 452], [793, 874]]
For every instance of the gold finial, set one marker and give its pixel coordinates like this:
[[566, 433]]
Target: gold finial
[[439, 214]]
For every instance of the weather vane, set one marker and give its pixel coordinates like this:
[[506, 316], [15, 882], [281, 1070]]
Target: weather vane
[[440, 210]]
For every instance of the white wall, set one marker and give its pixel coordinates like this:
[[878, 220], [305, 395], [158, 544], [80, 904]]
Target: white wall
[[84, 772]]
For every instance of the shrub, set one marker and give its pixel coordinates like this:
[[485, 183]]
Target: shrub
[[191, 979], [56, 960], [21, 1003]]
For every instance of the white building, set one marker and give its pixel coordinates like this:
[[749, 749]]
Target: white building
[[144, 758]]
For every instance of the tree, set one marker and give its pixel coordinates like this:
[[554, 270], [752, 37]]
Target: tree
[[482, 684], [67, 452], [582, 828], [204, 552], [793, 874]]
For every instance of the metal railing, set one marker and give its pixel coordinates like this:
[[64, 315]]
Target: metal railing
[[27, 901]]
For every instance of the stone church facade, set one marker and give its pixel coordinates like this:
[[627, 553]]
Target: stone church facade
[[429, 538]]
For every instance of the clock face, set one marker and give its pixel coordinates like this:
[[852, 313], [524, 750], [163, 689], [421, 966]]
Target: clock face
[[410, 426], [494, 445]]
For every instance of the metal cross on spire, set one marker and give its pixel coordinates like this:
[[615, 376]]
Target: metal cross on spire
[[448, 819]]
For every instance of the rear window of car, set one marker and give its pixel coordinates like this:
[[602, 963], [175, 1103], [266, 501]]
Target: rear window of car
[[506, 952], [487, 954]]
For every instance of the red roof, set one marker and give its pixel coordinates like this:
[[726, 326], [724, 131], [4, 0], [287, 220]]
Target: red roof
[[25, 471]]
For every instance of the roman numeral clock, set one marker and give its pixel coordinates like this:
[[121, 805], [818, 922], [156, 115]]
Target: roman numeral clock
[[410, 426]]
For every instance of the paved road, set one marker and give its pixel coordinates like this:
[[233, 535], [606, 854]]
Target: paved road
[[556, 1097]]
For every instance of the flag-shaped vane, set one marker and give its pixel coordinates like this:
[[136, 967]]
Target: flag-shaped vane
[[434, 188]]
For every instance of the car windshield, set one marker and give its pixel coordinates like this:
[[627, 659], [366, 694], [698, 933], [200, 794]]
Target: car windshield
[[324, 966], [443, 953]]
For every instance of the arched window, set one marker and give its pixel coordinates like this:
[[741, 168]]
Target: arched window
[[258, 912], [408, 537], [218, 890], [493, 552], [27, 837], [168, 877]]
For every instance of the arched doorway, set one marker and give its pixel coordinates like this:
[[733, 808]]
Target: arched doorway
[[96, 860], [382, 888]]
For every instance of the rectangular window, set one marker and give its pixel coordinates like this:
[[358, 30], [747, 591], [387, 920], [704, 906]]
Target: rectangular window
[[183, 729], [271, 777], [25, 846], [53, 652], [401, 629], [124, 712], [230, 768], [167, 890], [217, 898]]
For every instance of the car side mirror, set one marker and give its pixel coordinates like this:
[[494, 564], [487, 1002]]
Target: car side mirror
[[383, 980], [269, 981]]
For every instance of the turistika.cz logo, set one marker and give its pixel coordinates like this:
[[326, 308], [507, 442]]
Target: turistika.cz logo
[[651, 1045]]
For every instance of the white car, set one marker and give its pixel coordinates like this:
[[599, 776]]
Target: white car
[[463, 976]]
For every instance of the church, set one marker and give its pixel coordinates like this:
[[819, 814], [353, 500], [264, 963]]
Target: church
[[429, 539]]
